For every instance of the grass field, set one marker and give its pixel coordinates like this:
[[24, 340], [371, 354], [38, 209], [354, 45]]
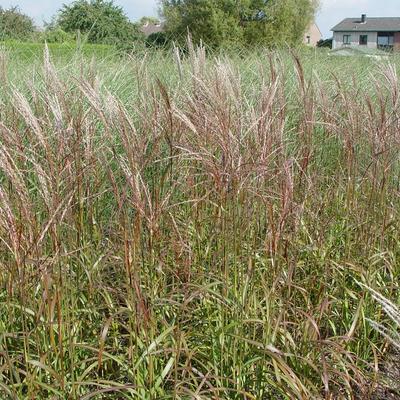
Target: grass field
[[189, 226], [28, 51]]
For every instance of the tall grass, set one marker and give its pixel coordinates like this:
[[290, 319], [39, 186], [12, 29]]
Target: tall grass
[[196, 233]]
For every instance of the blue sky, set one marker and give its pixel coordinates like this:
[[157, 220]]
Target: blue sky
[[331, 11]]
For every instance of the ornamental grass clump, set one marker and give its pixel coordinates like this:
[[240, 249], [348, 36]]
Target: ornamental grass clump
[[197, 234]]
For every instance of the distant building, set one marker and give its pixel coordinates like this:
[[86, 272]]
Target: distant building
[[382, 33], [149, 28], [313, 35]]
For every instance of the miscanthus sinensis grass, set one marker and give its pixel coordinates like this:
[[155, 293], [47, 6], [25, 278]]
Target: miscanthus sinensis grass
[[179, 225]]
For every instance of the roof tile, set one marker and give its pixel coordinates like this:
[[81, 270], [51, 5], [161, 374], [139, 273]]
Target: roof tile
[[381, 24]]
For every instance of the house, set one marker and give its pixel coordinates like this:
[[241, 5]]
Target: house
[[313, 35], [149, 28], [375, 33]]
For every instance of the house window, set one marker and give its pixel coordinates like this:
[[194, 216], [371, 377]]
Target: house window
[[346, 39], [385, 39], [363, 40]]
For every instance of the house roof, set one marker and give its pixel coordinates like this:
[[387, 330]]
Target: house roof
[[382, 24], [149, 28], [314, 27]]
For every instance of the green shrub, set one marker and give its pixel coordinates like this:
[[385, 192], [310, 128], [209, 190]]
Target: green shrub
[[157, 40], [15, 25], [56, 36], [100, 21]]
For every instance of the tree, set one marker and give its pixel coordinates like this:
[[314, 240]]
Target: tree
[[224, 22], [101, 21], [212, 21], [15, 25], [288, 21]]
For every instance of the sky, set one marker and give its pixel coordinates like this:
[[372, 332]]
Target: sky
[[331, 11]]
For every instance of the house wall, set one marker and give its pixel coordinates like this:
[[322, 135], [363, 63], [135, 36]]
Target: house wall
[[315, 35], [397, 41], [355, 39]]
